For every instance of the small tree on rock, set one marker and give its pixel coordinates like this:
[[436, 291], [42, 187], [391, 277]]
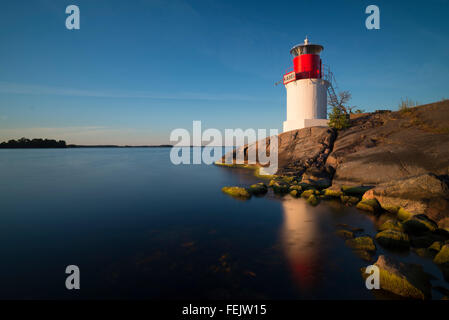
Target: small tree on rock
[[339, 116]]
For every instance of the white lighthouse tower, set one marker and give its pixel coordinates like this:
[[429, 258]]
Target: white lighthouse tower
[[306, 90]]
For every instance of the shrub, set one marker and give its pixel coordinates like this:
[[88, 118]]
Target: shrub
[[338, 119], [406, 104]]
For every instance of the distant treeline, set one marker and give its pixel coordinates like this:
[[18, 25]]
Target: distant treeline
[[51, 143], [33, 143]]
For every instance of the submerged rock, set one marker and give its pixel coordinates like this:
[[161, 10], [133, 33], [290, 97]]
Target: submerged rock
[[404, 279], [349, 200], [391, 225], [393, 239], [345, 234], [364, 255], [258, 189], [348, 227], [361, 243], [236, 192], [423, 252]]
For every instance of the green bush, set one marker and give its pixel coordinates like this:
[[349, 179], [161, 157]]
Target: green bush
[[338, 119]]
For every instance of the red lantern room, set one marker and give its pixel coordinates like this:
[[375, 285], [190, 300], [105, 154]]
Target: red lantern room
[[307, 61]]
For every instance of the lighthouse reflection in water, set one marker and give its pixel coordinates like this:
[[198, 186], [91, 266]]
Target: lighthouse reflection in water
[[301, 242]]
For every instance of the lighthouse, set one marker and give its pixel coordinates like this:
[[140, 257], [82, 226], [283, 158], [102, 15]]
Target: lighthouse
[[306, 89]]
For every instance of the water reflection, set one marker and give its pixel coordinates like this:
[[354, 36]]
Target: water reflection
[[301, 241]]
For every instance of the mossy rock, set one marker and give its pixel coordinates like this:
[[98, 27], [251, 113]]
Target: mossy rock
[[258, 189], [391, 209], [349, 200], [289, 179], [313, 200], [306, 194], [419, 224], [361, 243], [296, 187], [305, 185], [371, 205], [435, 247], [294, 193], [403, 279], [403, 214], [237, 192], [345, 234], [280, 187], [355, 191], [391, 225], [443, 256], [393, 239], [423, 240], [332, 193]]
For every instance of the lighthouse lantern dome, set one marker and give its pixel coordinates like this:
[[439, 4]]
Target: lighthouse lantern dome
[[306, 48]]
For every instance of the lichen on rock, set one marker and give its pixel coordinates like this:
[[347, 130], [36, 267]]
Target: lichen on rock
[[349, 200], [237, 192], [258, 189], [279, 187], [361, 243], [391, 224], [403, 279], [313, 200], [306, 194], [393, 239], [419, 224], [435, 247], [371, 205], [443, 256], [333, 192]]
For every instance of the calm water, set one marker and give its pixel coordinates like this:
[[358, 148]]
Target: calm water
[[139, 227]]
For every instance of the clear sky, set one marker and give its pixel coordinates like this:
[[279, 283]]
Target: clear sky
[[138, 69]]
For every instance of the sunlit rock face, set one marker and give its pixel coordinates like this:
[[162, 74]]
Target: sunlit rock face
[[300, 238]]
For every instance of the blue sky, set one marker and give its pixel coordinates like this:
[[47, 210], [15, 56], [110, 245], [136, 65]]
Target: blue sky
[[138, 69]]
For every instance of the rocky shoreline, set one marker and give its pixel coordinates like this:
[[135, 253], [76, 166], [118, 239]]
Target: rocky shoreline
[[392, 163]]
